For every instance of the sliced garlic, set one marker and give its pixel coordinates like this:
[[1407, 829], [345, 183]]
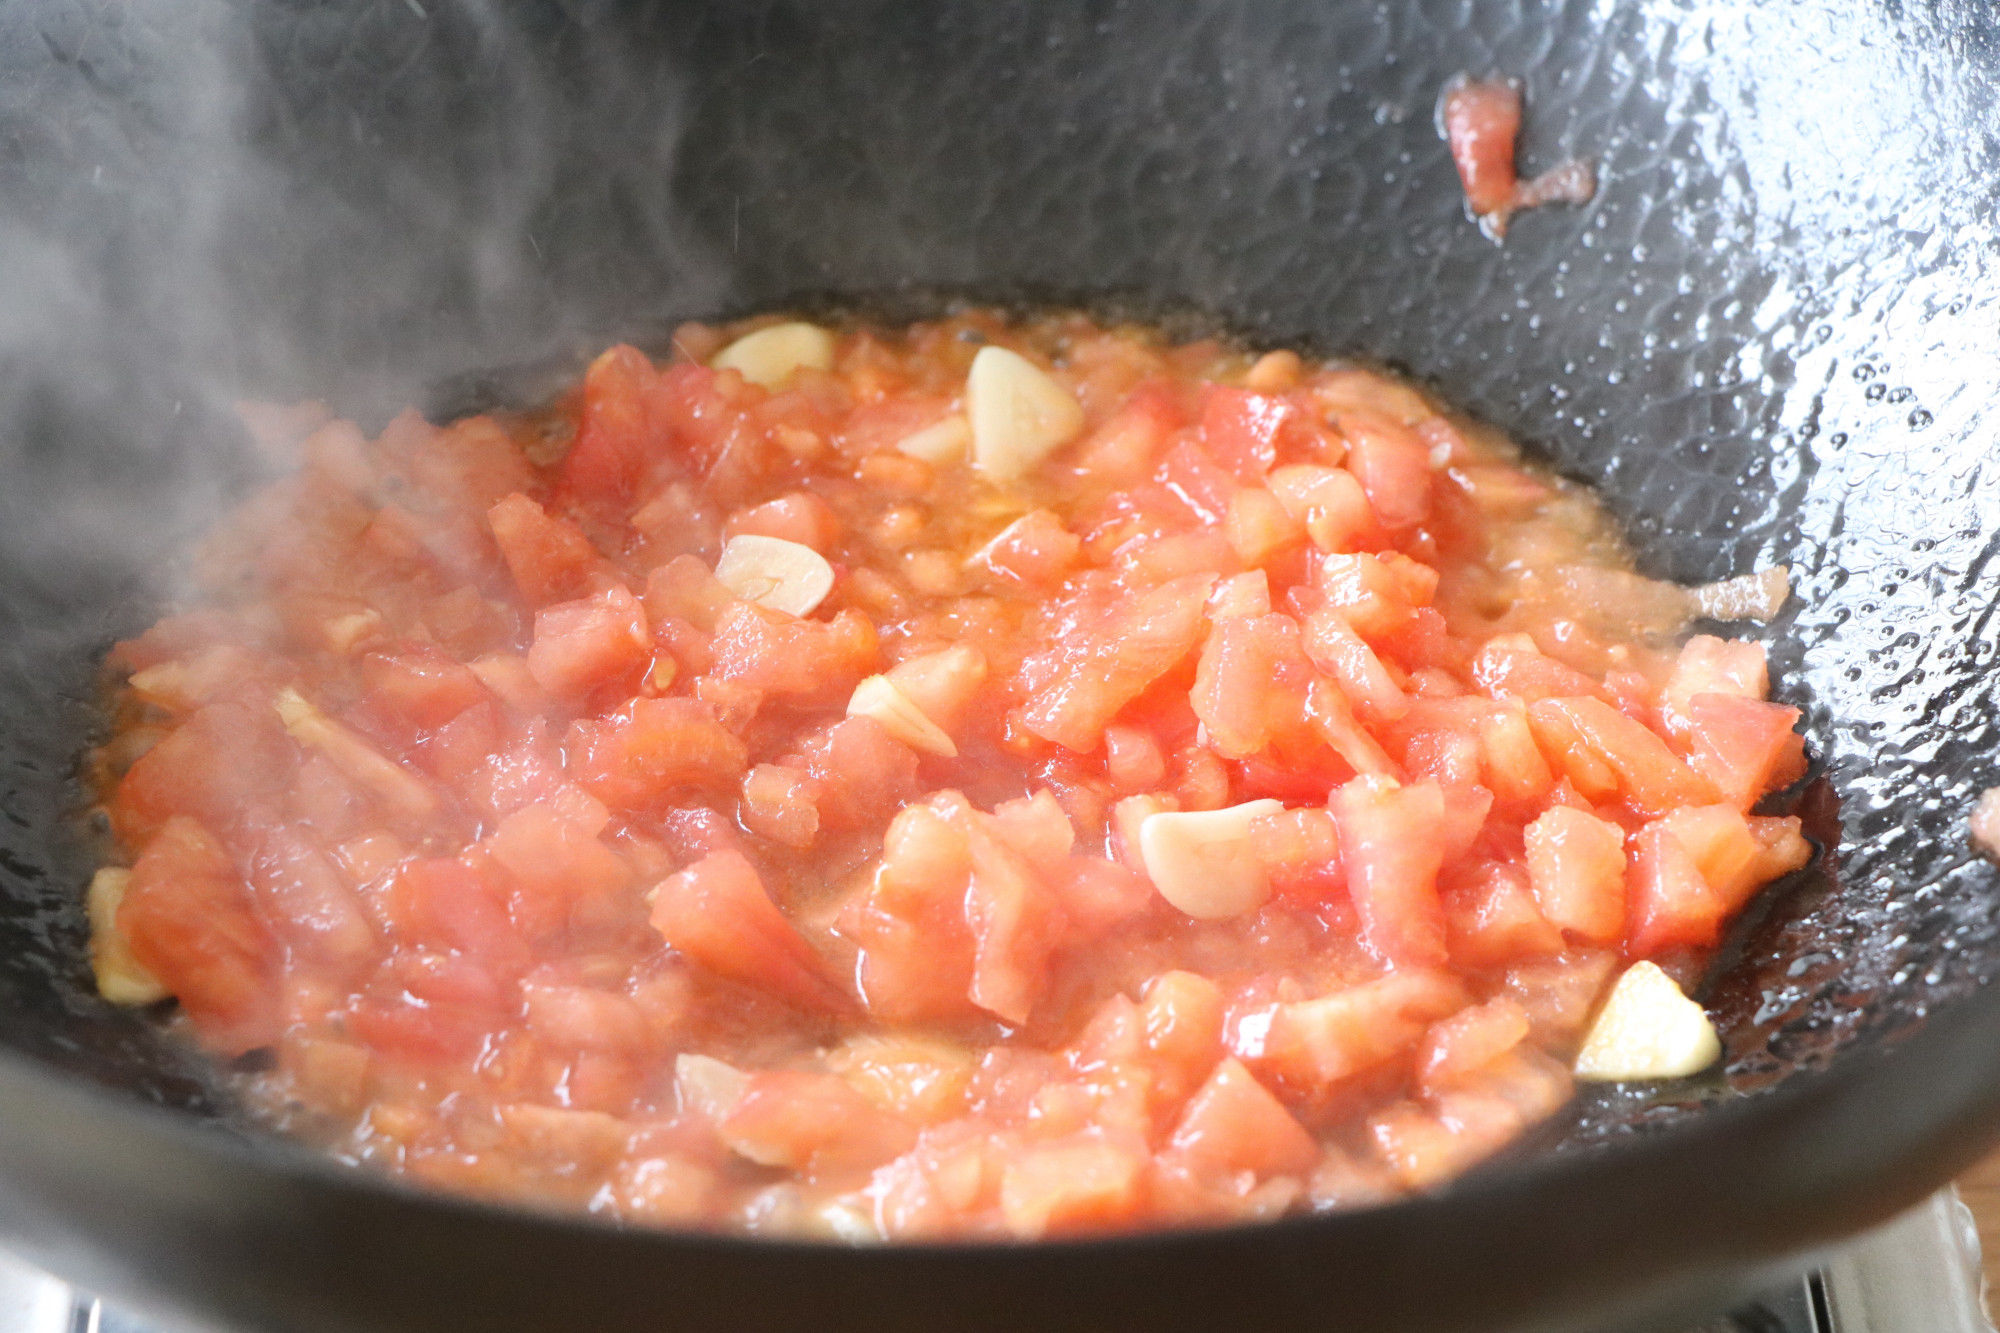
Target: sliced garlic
[[1199, 859], [880, 698], [770, 571], [850, 1219], [941, 443], [121, 978], [769, 356], [1019, 414], [710, 1086], [357, 759], [1647, 1029]]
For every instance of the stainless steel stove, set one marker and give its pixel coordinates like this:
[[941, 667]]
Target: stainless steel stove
[[1918, 1274]]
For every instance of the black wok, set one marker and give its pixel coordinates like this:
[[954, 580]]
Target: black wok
[[1773, 336]]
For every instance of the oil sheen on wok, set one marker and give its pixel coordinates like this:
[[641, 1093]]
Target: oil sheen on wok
[[987, 778]]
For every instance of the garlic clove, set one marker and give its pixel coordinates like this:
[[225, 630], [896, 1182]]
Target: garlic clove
[[121, 978], [769, 356], [1647, 1029], [1200, 860], [710, 1086], [770, 571], [941, 443], [880, 698], [1019, 413]]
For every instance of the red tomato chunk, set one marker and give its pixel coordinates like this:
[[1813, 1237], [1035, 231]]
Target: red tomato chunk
[[973, 780]]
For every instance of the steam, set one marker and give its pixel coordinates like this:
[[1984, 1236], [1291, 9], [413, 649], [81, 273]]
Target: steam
[[212, 202]]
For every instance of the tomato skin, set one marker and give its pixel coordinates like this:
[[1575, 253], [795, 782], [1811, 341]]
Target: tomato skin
[[1481, 121], [189, 919]]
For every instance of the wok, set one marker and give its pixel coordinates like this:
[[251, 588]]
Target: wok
[[1771, 337]]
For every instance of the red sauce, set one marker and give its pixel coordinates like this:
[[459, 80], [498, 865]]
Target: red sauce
[[552, 866]]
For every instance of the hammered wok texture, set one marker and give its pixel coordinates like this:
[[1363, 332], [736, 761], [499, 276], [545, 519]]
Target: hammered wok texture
[[1770, 338]]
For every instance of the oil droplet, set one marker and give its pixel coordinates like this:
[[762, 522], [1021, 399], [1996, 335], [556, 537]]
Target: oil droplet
[[1920, 419], [1875, 393]]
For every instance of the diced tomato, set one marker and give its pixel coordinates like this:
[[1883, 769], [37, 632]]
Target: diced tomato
[[1240, 428], [1516, 669], [1510, 761], [447, 904], [546, 887], [189, 920], [1233, 1123], [420, 685], [717, 913], [1123, 448], [1080, 1184], [1345, 656], [781, 803], [1393, 466], [1576, 863], [430, 1007], [811, 1122], [641, 756], [1491, 918], [565, 882], [1559, 995], [226, 760], [1468, 1042], [1079, 682], [1743, 746], [1690, 870], [862, 770], [1312, 1044], [593, 647], [1034, 551], [1708, 665], [1602, 751], [617, 434], [1781, 847], [1390, 850], [310, 905], [1329, 502], [1016, 921], [780, 655], [1202, 486], [549, 557], [799, 516], [1250, 684], [1375, 594]]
